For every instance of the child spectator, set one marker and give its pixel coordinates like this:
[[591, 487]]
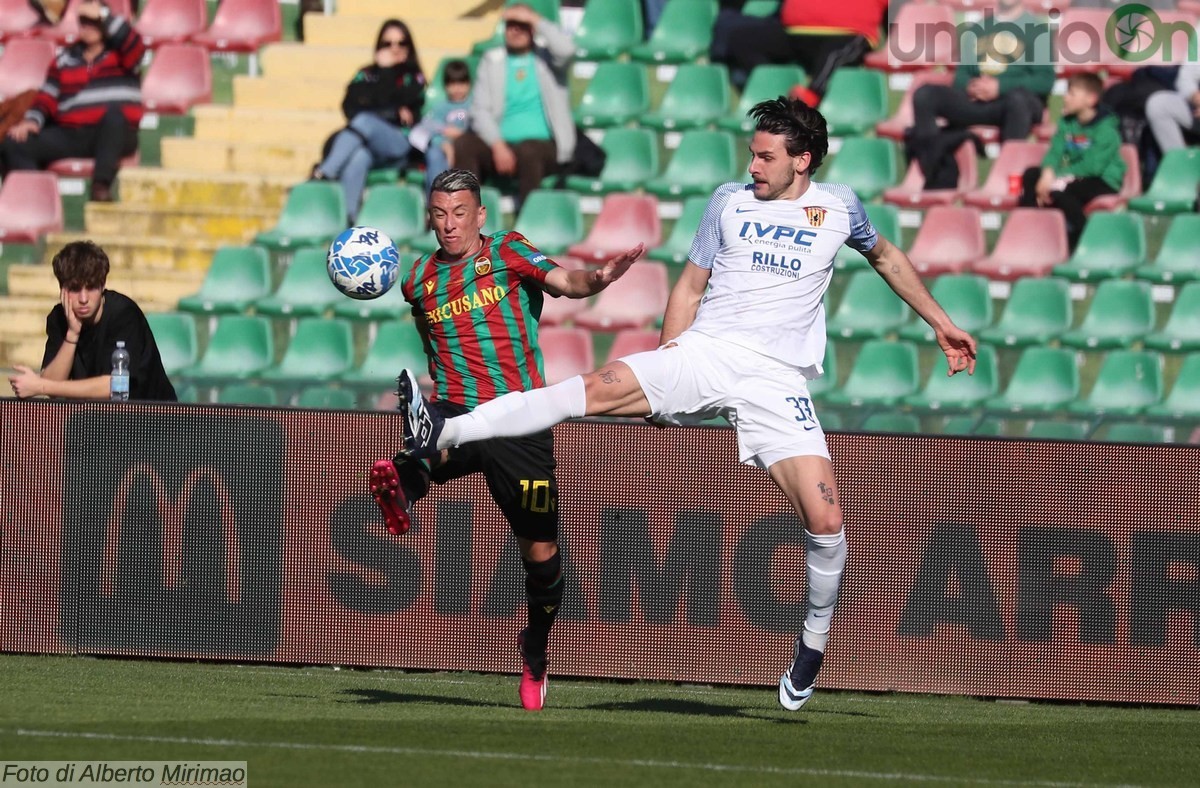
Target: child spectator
[[444, 122]]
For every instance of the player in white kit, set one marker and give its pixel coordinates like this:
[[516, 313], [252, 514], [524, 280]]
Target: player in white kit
[[743, 333]]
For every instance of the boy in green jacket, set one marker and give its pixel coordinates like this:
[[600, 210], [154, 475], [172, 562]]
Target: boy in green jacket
[[1084, 160]]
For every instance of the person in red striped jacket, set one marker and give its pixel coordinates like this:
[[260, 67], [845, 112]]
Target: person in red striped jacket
[[90, 105]]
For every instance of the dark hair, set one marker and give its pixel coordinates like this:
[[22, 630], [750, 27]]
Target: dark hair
[[452, 181], [80, 264], [1088, 81], [801, 126], [413, 60], [456, 71]]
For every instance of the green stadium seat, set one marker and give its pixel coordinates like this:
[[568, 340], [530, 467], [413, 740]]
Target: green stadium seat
[[320, 350], [248, 394], [1121, 312], [1178, 259], [187, 393], [631, 159], [866, 164], [546, 8], [618, 93], [761, 8], [1037, 311], [886, 220], [1184, 400], [965, 298], [703, 161], [1058, 429], [175, 335], [868, 309], [857, 99], [767, 81], [1174, 187], [237, 277], [1181, 334], [962, 391], [396, 209], [883, 374], [490, 197], [609, 28], [240, 347], [327, 398], [397, 346], [891, 422], [389, 306], [551, 219], [305, 289], [1112, 245], [829, 380], [831, 420], [314, 214], [961, 424], [1046, 380], [989, 427], [698, 96], [683, 33], [1135, 432], [679, 243], [1129, 382]]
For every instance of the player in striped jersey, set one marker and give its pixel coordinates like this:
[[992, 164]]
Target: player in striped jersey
[[477, 301]]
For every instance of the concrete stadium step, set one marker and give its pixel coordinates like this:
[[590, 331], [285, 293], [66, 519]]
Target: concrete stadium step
[[211, 222], [260, 126], [162, 188], [158, 253], [25, 316], [306, 61], [289, 93], [458, 34], [27, 351], [154, 290], [216, 156], [406, 9]]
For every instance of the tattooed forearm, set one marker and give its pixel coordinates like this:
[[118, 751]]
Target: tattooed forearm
[[826, 492], [609, 376]]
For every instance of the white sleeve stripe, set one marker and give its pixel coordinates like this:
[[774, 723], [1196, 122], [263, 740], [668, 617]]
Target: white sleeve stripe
[[708, 239]]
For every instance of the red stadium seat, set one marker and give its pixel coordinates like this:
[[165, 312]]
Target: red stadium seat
[[17, 18], [1042, 131], [1116, 66], [556, 311], [1085, 26], [171, 21], [1033, 241], [634, 301], [911, 193], [29, 207], [950, 239], [1015, 157], [625, 220], [24, 64], [1130, 187], [910, 31], [633, 340], [67, 29], [893, 127], [82, 168], [971, 5], [1044, 7], [566, 352], [242, 26], [179, 77]]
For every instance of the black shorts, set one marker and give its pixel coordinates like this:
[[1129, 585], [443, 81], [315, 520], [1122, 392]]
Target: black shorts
[[519, 474]]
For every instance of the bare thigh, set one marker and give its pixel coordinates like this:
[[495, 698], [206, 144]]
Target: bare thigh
[[811, 487], [613, 390]]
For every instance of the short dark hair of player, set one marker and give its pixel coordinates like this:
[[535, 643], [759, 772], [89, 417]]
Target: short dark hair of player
[[801, 126], [456, 71], [1086, 81], [452, 181], [81, 264]]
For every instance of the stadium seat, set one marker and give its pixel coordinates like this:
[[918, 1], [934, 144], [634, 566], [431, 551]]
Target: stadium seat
[[248, 394], [175, 335], [631, 159], [961, 392], [1112, 244], [304, 291], [490, 197], [618, 93], [242, 26], [856, 100], [1088, 23], [703, 161], [1134, 432], [1045, 380], [698, 96], [1116, 66], [683, 33], [1131, 184], [240, 347], [760, 8], [948, 241], [327, 398], [320, 350], [965, 298], [903, 423], [1037, 311], [1129, 382], [396, 209], [314, 214], [1184, 400], [397, 346], [608, 29], [389, 306], [23, 65], [1178, 258], [868, 165], [1015, 157], [869, 308], [1181, 334], [566, 352], [82, 168], [1032, 242], [1058, 429], [551, 219], [911, 31], [179, 78], [633, 340], [1121, 312], [767, 81], [829, 376], [886, 221], [1173, 189], [67, 29], [625, 220], [171, 21], [883, 374], [30, 207], [636, 300], [895, 126], [237, 277], [911, 193], [679, 242], [17, 18]]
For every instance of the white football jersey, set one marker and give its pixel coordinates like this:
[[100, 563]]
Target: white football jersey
[[771, 263]]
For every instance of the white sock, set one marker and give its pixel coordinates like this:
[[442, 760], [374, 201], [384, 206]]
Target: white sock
[[517, 413], [826, 558]]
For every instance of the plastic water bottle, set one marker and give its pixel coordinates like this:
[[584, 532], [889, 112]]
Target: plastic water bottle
[[120, 372]]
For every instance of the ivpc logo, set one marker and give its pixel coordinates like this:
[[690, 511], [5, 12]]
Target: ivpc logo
[[172, 533]]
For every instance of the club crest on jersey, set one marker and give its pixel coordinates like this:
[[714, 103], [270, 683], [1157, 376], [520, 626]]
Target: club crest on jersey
[[483, 266], [816, 216], [432, 283]]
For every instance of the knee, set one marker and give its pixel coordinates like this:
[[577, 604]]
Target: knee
[[926, 96], [1159, 104], [542, 563], [825, 521]]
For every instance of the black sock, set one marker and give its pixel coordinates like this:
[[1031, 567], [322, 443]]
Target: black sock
[[543, 591]]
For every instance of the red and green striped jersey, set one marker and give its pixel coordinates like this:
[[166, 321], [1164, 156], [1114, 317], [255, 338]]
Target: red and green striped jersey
[[481, 318]]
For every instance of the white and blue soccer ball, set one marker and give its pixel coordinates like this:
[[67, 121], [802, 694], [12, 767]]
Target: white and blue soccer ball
[[363, 263]]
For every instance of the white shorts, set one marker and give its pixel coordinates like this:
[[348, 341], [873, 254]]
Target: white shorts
[[766, 400]]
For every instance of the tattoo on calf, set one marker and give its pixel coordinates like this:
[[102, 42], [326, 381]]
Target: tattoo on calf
[[826, 492], [608, 376]]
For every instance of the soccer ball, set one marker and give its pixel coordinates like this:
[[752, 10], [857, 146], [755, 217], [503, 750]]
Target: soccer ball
[[363, 263]]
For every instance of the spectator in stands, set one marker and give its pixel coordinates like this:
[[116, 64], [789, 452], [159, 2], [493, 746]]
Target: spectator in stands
[[91, 104], [822, 37], [1005, 86], [1174, 115], [445, 122], [521, 122], [83, 330], [1084, 159], [383, 102]]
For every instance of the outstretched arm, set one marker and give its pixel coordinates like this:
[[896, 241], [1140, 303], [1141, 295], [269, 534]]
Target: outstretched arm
[[581, 284], [27, 383], [684, 301]]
